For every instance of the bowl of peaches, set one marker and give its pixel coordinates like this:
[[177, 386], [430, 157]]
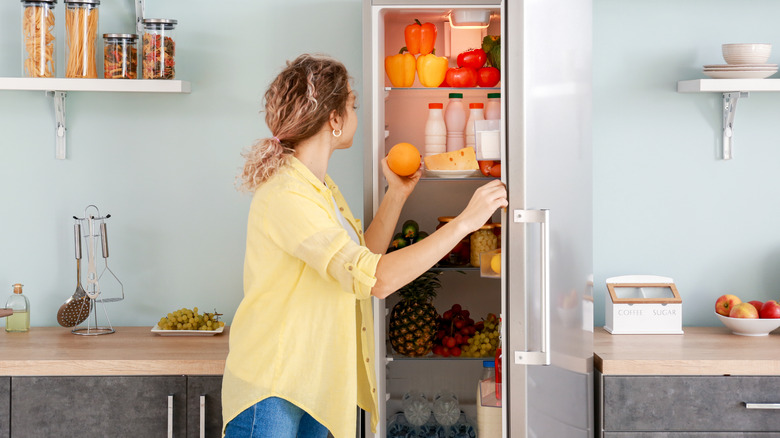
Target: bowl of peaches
[[749, 318]]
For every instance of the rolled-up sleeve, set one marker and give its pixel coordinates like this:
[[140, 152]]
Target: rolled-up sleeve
[[302, 226]]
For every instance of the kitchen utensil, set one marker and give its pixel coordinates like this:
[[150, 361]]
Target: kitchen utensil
[[93, 286], [746, 53], [76, 308], [104, 245]]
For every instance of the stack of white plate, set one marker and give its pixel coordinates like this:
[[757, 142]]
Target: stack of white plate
[[743, 61]]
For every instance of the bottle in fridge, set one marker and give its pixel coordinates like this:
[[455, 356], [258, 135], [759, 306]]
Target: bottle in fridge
[[476, 112], [542, 109], [435, 130]]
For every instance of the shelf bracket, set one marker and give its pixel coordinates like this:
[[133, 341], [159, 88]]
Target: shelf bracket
[[729, 111], [139, 17], [60, 128]]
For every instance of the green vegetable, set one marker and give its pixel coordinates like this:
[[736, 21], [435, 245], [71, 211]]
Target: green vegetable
[[410, 229], [491, 44]]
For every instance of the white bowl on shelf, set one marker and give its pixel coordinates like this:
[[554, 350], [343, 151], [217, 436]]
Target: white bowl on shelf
[[748, 326], [749, 53]]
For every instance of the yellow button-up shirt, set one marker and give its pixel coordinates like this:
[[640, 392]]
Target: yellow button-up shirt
[[304, 329]]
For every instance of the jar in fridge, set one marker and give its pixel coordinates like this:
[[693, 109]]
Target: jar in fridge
[[81, 31], [120, 56], [482, 240], [38, 46], [159, 48], [459, 255]]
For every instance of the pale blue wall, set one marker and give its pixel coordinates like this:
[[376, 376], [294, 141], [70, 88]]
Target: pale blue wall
[[664, 203], [162, 165]]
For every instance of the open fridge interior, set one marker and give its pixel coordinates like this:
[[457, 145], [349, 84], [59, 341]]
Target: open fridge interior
[[400, 115]]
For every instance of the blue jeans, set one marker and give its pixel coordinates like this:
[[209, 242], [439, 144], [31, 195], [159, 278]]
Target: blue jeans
[[275, 417]]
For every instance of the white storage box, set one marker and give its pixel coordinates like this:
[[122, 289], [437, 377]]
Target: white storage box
[[643, 304]]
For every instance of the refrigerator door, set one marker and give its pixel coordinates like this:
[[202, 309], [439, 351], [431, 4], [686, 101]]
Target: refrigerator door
[[547, 289]]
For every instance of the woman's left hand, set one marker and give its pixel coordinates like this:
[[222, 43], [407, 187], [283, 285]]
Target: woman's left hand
[[404, 185]]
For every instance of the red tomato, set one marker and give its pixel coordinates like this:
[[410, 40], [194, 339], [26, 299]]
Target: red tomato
[[488, 76], [472, 58], [496, 170], [455, 351], [485, 166], [461, 77]]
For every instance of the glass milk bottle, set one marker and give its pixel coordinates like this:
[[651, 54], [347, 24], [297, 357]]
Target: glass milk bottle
[[435, 130], [476, 112], [493, 107], [455, 118], [20, 320]]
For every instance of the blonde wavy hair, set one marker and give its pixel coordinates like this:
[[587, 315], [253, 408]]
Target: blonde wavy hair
[[297, 104]]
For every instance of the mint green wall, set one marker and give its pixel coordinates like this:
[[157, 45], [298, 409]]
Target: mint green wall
[[664, 203], [162, 165]]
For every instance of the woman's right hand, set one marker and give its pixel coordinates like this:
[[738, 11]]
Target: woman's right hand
[[483, 204]]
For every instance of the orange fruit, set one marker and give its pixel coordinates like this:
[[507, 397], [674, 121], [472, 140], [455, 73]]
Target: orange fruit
[[404, 159]]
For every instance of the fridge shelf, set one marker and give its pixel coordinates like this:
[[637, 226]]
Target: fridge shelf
[[431, 357], [470, 178], [444, 89]]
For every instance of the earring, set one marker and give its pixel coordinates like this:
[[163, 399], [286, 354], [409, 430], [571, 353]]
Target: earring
[[337, 132]]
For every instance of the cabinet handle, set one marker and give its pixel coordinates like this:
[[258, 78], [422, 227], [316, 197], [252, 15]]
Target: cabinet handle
[[762, 405], [541, 357], [203, 416], [170, 415]]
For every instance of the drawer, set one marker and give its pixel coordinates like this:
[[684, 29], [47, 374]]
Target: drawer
[[689, 404]]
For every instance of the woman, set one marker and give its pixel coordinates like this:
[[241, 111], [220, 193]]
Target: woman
[[301, 342]]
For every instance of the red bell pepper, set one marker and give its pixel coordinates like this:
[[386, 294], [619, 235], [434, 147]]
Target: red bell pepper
[[420, 37]]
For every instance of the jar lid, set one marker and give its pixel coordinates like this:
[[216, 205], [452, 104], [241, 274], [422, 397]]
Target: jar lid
[[435, 105], [494, 95], [18, 288], [487, 226], [54, 2], [124, 36], [489, 363], [476, 105], [446, 218], [90, 2], [456, 95], [159, 21]]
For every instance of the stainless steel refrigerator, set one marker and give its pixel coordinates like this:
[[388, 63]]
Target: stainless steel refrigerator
[[544, 295]]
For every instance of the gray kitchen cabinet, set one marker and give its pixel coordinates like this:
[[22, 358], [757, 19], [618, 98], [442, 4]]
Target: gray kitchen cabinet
[[5, 407], [643, 406], [204, 406], [98, 406]]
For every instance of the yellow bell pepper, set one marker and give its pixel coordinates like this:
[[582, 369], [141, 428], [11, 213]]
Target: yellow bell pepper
[[400, 69], [431, 69]]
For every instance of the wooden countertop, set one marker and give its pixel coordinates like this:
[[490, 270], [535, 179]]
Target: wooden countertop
[[700, 351], [55, 351]]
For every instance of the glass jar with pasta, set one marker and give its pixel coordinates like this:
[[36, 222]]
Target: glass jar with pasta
[[159, 49], [482, 240], [81, 31], [120, 56], [38, 38]]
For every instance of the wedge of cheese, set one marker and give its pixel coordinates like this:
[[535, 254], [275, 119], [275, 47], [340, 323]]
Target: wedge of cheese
[[462, 159]]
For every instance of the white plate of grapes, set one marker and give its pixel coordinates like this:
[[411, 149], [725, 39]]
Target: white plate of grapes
[[188, 322]]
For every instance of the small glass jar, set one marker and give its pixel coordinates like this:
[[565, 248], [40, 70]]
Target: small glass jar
[[459, 255], [38, 46], [81, 32], [120, 56], [482, 240], [159, 49]]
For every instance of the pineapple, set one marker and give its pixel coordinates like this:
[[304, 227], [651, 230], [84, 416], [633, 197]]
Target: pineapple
[[413, 321]]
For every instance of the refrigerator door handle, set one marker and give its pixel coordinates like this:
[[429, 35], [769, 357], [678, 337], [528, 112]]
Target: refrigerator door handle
[[541, 357]]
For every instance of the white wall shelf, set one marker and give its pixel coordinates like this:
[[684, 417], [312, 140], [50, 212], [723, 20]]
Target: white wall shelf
[[732, 90], [59, 87]]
